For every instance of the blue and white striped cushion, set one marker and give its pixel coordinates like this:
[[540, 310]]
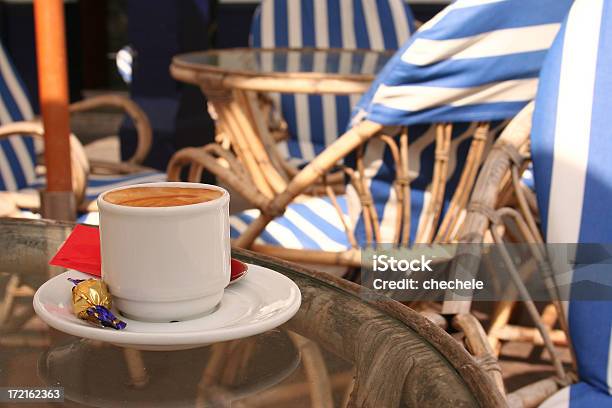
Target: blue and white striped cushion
[[571, 147], [477, 60], [17, 155], [314, 121], [312, 224]]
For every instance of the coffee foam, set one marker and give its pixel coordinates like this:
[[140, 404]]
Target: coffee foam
[[161, 196]]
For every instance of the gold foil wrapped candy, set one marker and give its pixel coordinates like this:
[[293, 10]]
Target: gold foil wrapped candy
[[92, 301]]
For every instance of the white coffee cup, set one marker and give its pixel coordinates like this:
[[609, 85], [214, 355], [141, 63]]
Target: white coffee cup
[[166, 264]]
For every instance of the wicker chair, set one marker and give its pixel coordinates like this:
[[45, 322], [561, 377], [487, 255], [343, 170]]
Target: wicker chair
[[19, 178], [99, 174]]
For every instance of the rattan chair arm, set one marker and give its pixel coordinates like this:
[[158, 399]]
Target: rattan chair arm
[[79, 162], [485, 197], [318, 167], [324, 162], [497, 165], [141, 121], [479, 346]]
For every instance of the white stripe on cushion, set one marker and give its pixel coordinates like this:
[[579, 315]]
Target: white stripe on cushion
[[372, 19], [425, 51], [5, 116], [330, 114], [347, 23], [317, 228], [282, 234], [400, 21], [7, 173], [294, 24], [312, 231], [24, 157], [267, 20], [326, 207], [420, 97], [321, 25], [369, 64], [573, 123]]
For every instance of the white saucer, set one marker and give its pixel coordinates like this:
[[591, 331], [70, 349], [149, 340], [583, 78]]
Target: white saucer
[[261, 301]]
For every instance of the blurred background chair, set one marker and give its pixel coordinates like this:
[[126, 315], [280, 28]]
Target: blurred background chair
[[21, 144], [313, 122]]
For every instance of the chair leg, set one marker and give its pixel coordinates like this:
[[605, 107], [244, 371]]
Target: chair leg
[[6, 306], [499, 319], [136, 367], [316, 371]]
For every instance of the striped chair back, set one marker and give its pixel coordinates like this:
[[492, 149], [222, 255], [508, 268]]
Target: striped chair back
[[17, 155], [314, 121], [571, 145], [476, 61]]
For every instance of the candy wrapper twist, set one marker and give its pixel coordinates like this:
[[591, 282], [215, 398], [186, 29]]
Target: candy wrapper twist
[[92, 301]]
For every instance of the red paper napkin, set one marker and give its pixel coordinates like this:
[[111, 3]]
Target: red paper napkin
[[81, 252]]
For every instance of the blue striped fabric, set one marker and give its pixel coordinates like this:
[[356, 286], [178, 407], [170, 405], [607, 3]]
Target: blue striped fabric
[[571, 148], [314, 121], [312, 224], [17, 155], [477, 60]]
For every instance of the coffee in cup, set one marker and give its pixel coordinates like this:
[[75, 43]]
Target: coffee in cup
[[165, 249], [161, 196]]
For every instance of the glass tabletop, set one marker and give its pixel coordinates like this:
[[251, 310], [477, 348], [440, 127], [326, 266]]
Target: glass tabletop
[[285, 62], [339, 347]]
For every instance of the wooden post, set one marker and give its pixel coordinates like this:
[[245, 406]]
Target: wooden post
[[57, 201]]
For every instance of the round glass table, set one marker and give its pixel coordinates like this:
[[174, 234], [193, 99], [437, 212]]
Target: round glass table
[[303, 70], [341, 349]]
